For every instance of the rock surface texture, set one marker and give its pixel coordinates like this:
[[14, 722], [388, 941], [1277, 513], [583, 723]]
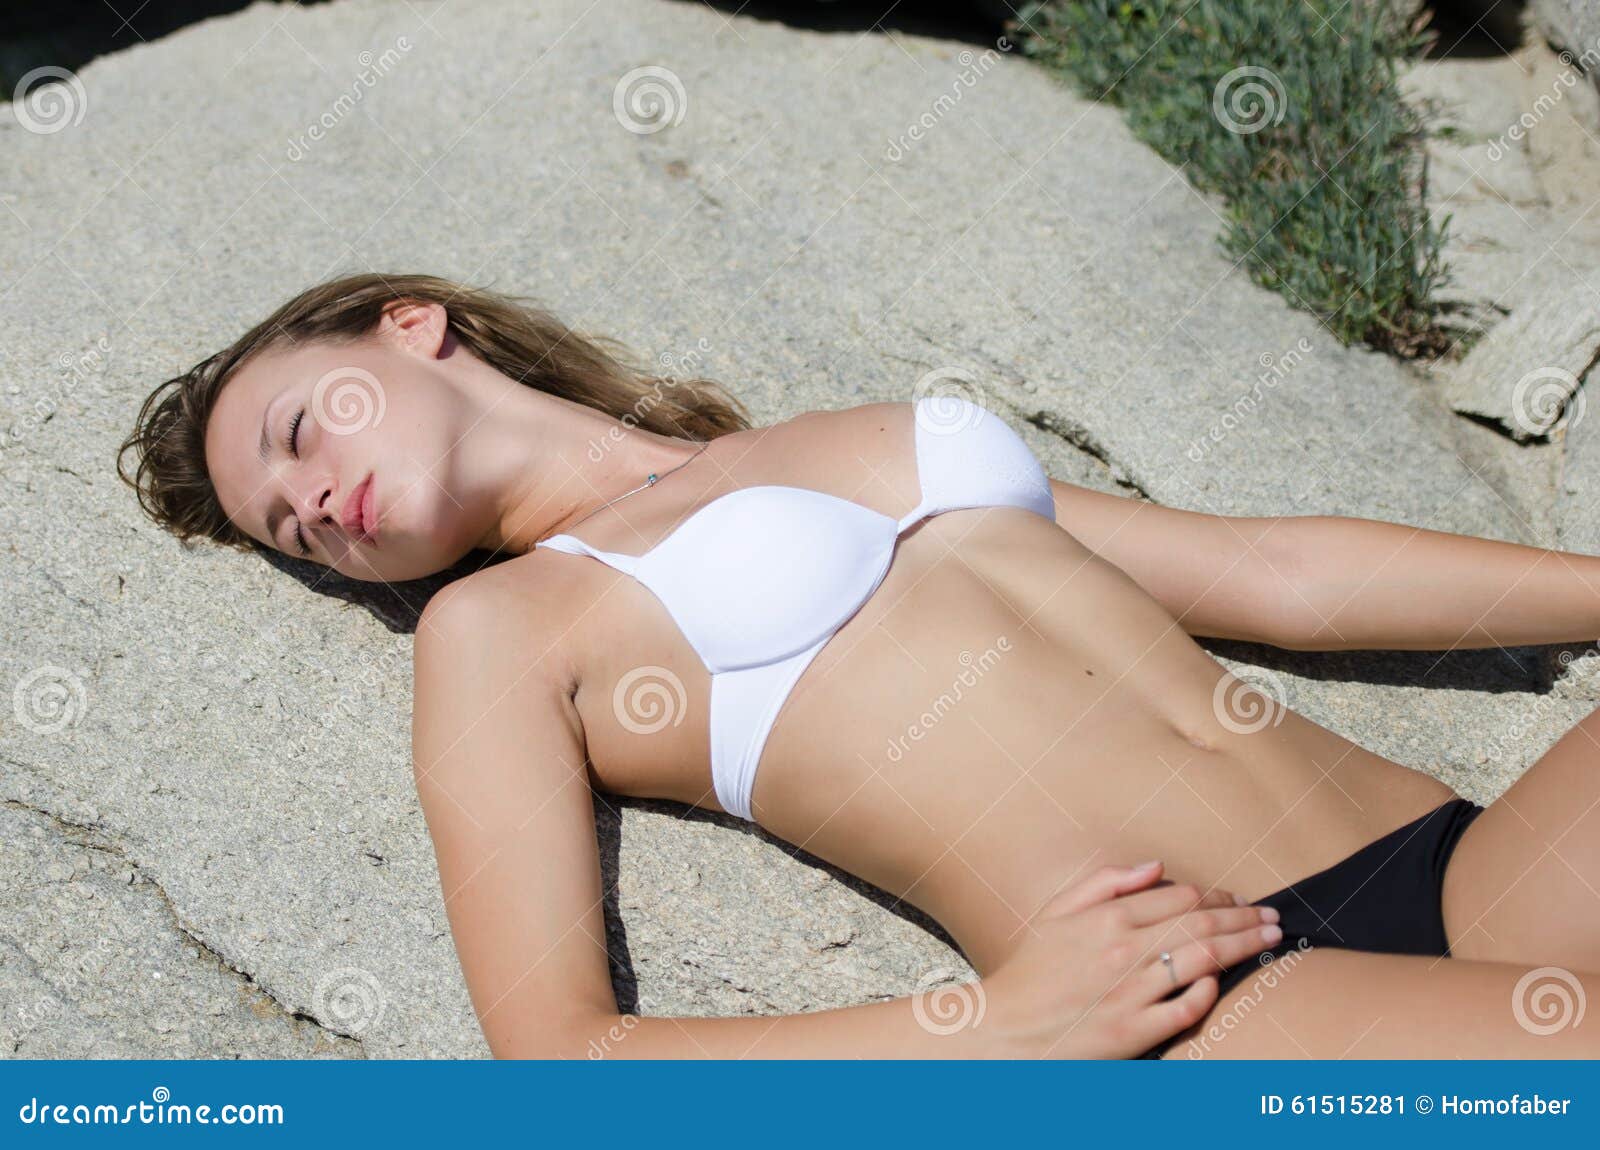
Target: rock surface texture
[[211, 840], [1572, 26]]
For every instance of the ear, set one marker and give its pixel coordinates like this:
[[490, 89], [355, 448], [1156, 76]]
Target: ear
[[417, 327]]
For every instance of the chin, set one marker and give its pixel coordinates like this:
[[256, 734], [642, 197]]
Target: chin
[[397, 569]]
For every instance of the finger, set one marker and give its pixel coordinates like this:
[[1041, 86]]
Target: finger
[[1174, 932], [1148, 907], [1162, 1020], [1216, 897], [1206, 956], [1106, 883]]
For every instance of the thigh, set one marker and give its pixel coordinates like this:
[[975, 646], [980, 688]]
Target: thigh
[[1327, 1003], [1524, 882]]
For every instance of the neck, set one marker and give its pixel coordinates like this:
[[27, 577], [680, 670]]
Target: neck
[[544, 463]]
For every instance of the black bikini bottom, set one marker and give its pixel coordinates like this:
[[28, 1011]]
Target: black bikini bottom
[[1383, 898]]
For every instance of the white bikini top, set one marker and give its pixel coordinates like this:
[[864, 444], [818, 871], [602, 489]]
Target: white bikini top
[[758, 580]]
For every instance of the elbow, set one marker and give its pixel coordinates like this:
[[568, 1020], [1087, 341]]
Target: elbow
[[1296, 612], [590, 1035], [1285, 610]]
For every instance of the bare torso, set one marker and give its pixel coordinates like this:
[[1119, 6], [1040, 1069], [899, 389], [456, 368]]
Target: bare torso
[[1005, 713]]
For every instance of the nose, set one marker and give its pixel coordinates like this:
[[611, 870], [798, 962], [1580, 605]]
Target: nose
[[314, 503]]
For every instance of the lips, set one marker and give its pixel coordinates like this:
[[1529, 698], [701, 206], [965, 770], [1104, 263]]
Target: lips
[[360, 514]]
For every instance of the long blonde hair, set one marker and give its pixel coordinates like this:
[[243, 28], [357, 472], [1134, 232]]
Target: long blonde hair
[[519, 339]]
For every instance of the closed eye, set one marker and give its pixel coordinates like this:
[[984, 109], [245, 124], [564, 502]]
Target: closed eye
[[292, 444]]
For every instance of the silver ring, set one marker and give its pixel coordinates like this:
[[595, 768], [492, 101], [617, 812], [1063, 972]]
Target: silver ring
[[1172, 971]]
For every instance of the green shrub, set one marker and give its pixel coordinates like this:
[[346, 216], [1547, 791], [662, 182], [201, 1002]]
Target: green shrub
[[1294, 116]]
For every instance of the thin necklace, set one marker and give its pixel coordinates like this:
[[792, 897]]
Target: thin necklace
[[649, 481]]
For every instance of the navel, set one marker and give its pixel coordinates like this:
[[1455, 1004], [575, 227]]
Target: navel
[[1193, 739]]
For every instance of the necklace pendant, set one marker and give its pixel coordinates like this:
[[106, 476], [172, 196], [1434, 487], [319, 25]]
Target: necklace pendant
[[649, 479]]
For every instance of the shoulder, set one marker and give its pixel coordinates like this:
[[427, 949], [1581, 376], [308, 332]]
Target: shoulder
[[884, 414], [866, 454], [473, 605], [866, 430], [523, 604]]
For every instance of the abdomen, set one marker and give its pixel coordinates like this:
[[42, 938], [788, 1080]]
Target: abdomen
[[1009, 711]]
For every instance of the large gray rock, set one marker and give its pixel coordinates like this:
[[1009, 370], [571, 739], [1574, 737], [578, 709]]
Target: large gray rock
[[832, 221], [1513, 164], [94, 962]]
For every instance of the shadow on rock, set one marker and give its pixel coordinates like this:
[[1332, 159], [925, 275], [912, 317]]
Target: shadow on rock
[[397, 605], [608, 825], [1495, 670]]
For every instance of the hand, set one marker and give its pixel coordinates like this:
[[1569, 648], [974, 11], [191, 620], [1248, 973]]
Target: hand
[[1088, 982]]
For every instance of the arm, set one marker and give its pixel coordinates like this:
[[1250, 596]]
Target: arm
[[500, 770], [1329, 582], [499, 762], [1364, 583], [1220, 576]]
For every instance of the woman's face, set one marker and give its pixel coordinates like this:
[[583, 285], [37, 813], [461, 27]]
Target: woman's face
[[345, 454]]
